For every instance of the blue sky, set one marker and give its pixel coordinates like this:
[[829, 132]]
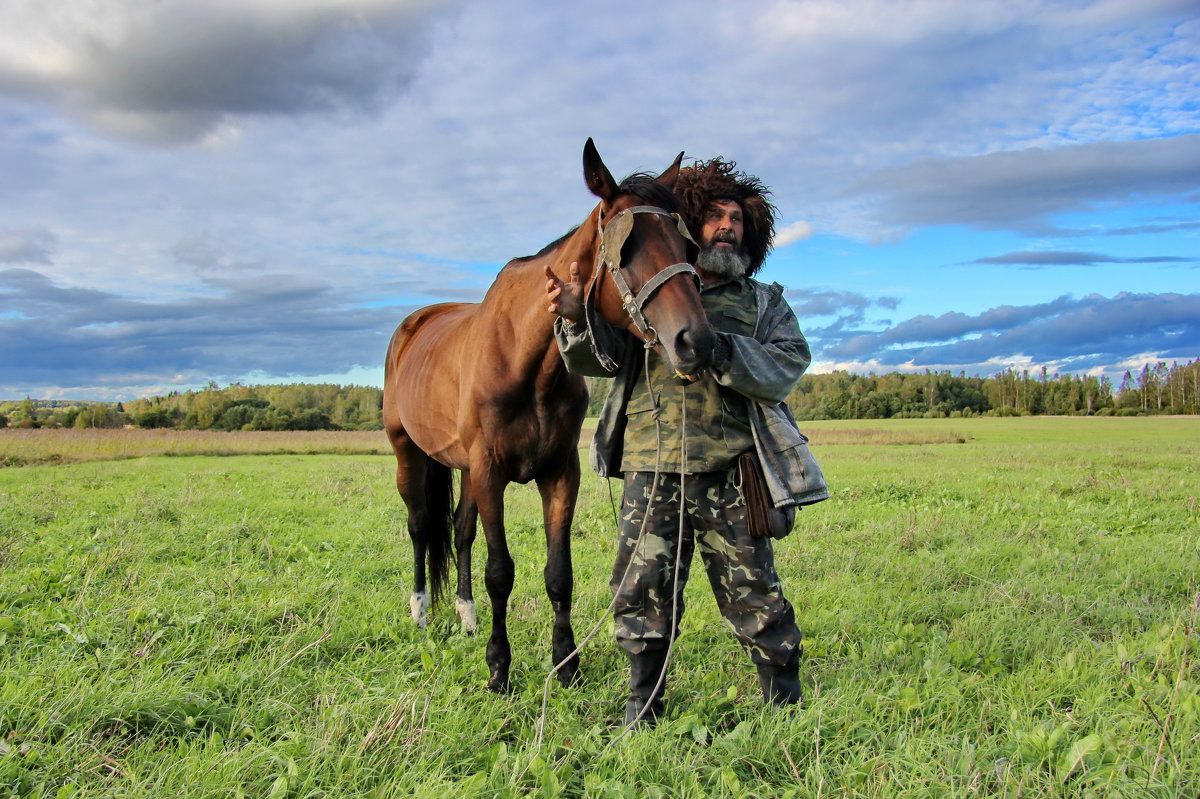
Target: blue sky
[[260, 190]]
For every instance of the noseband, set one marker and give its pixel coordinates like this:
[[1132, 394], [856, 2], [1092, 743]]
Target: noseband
[[612, 239]]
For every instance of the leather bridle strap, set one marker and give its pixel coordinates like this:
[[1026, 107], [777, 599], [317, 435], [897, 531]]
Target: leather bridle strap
[[612, 239]]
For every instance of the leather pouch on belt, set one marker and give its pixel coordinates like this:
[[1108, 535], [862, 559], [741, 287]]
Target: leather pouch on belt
[[763, 518]]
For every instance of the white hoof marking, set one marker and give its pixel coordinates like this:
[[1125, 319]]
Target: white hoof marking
[[418, 604], [466, 612]]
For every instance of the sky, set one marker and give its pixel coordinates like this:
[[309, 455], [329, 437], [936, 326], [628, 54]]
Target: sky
[[259, 191]]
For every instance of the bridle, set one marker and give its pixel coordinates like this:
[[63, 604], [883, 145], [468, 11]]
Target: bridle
[[612, 239]]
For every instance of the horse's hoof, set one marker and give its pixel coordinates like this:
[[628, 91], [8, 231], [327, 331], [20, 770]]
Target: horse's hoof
[[466, 613], [418, 606], [570, 675], [499, 686]]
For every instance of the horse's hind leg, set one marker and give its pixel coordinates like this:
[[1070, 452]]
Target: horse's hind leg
[[410, 482], [465, 517], [559, 492]]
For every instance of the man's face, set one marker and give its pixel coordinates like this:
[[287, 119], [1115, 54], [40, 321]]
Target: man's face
[[722, 225], [721, 253]]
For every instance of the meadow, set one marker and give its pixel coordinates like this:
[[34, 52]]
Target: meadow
[[991, 607], [27, 447]]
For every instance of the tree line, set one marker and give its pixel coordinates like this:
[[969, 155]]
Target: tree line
[[1155, 389], [297, 406]]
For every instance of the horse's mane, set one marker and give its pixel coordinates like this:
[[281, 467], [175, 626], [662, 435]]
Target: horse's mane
[[640, 184], [644, 185], [551, 247]]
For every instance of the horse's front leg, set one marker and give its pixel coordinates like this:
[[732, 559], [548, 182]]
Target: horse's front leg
[[559, 492], [488, 491]]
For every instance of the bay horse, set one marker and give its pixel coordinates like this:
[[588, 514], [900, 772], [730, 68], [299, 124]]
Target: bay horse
[[481, 388]]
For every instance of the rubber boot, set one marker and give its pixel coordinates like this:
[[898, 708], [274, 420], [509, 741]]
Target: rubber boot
[[644, 670], [781, 684]]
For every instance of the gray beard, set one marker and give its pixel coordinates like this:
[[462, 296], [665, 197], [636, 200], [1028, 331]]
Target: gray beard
[[721, 262]]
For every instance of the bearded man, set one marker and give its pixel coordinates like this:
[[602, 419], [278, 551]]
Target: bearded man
[[739, 434]]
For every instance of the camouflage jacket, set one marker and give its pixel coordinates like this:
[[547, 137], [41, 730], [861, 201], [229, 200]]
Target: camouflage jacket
[[763, 368]]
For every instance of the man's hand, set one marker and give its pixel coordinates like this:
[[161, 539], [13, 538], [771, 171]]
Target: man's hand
[[566, 298]]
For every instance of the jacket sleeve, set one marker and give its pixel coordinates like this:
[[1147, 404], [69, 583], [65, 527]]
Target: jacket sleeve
[[588, 350], [764, 369]]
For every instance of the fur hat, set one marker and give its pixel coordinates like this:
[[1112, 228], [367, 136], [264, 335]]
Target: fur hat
[[705, 182]]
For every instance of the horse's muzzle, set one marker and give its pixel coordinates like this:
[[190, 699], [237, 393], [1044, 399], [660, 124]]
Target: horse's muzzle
[[691, 351]]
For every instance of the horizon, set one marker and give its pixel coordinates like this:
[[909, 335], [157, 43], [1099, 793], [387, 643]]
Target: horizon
[[258, 193], [1115, 385]]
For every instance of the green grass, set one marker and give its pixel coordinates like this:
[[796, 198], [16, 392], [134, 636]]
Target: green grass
[[1011, 616], [30, 447]]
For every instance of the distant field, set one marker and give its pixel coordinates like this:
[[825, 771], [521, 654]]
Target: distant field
[[28, 447], [1011, 616]]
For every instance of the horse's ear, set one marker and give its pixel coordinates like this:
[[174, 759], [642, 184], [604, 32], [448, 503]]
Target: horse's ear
[[667, 178], [598, 178]]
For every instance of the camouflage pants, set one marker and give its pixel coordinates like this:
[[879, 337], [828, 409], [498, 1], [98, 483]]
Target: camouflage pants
[[741, 569]]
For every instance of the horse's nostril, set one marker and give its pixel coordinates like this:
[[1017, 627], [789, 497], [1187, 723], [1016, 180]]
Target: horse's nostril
[[693, 348]]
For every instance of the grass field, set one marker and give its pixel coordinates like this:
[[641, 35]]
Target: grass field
[[55, 446], [1012, 615]]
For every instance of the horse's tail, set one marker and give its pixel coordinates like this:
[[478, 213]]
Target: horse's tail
[[439, 501]]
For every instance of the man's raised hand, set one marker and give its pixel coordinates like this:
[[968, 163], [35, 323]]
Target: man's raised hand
[[566, 298]]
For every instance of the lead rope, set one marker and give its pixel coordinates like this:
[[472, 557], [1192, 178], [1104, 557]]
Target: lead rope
[[541, 725]]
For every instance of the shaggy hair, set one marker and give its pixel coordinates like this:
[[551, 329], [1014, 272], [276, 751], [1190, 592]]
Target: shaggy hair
[[705, 182]]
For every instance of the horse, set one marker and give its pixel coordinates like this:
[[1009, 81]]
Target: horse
[[481, 388]]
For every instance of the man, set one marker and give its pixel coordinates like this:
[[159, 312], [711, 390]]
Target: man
[[734, 408]]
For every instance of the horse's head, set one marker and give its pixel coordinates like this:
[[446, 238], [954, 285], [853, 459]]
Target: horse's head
[[642, 279]]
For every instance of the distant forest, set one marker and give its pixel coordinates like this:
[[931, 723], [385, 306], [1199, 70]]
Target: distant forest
[[287, 407], [1156, 389]]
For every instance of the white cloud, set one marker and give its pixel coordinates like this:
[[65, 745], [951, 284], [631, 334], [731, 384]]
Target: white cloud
[[1085, 331], [796, 231], [176, 70]]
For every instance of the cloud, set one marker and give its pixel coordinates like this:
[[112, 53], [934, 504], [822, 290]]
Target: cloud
[[1091, 329], [1022, 190], [29, 246], [58, 335], [1044, 258], [176, 70], [849, 309], [364, 153], [1131, 230], [848, 305], [796, 231], [206, 255], [883, 23]]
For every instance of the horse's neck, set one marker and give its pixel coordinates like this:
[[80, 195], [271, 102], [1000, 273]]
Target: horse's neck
[[579, 248], [524, 302]]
